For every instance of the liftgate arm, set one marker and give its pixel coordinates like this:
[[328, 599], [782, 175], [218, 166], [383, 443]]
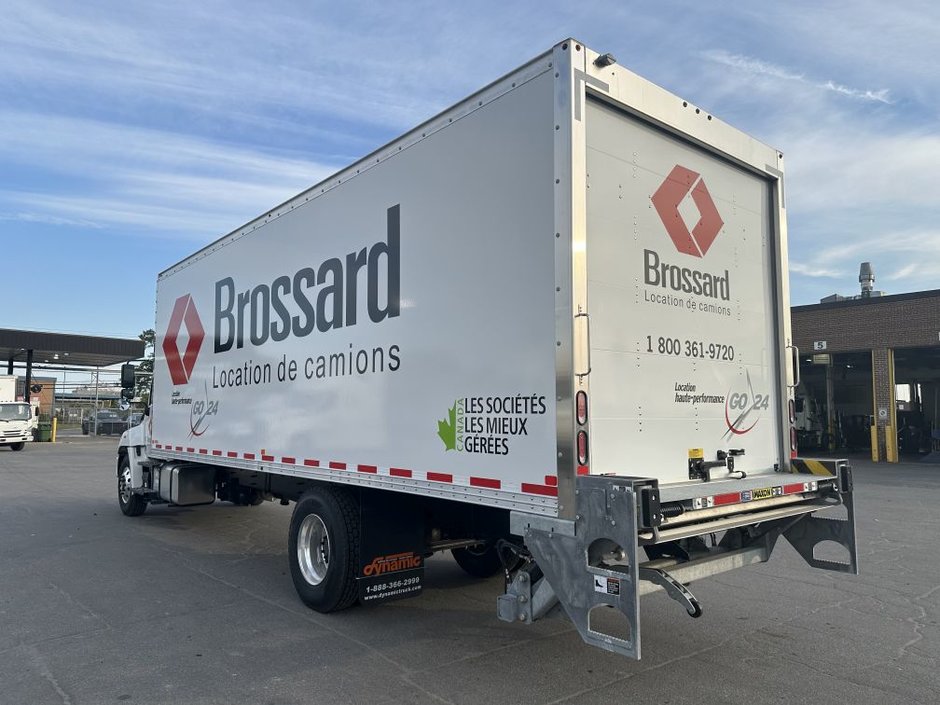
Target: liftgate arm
[[805, 534]]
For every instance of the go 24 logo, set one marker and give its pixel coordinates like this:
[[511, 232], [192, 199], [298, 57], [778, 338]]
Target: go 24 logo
[[200, 413], [746, 407]]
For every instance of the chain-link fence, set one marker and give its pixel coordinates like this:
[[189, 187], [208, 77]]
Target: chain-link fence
[[89, 403], [82, 401]]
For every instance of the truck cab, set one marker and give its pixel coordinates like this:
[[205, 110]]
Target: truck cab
[[18, 422]]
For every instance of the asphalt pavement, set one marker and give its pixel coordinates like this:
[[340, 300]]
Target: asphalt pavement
[[197, 606]]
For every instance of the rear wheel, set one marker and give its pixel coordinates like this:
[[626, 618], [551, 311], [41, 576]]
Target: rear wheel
[[132, 505], [18, 446], [323, 548], [479, 561]]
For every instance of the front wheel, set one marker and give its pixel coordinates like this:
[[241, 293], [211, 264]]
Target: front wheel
[[18, 446], [132, 505], [323, 548]]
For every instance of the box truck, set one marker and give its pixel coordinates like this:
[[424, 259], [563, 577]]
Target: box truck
[[18, 419], [547, 330]]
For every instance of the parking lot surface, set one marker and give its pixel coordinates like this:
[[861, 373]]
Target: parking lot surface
[[197, 606]]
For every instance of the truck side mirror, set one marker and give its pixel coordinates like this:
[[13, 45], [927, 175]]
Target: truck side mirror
[[128, 376], [127, 394]]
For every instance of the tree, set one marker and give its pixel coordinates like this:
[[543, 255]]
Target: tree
[[145, 368]]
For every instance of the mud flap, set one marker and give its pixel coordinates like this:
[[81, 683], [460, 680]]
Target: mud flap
[[591, 562], [391, 548], [811, 530]]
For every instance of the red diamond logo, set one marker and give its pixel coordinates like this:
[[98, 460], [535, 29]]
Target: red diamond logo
[[666, 200], [184, 312]]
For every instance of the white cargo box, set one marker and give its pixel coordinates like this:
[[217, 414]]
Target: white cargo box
[[425, 320]]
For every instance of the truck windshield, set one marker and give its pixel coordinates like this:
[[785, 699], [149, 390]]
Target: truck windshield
[[14, 412]]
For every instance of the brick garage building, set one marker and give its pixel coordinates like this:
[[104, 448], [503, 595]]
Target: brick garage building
[[42, 388], [873, 344]]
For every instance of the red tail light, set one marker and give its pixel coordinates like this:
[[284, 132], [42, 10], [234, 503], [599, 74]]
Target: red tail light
[[582, 408], [582, 448]]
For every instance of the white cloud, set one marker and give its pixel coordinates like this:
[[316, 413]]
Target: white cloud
[[757, 67], [361, 65], [23, 217], [809, 270], [152, 180], [73, 145], [904, 272], [751, 65], [862, 166], [196, 224], [880, 96], [882, 42]]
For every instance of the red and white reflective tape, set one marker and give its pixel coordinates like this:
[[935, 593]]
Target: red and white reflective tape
[[745, 496], [548, 489]]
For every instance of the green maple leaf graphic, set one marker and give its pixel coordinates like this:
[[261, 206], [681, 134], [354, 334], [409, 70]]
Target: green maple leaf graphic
[[447, 429]]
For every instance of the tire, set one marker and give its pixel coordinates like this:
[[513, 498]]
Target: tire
[[479, 561], [18, 446], [323, 549], [132, 505]]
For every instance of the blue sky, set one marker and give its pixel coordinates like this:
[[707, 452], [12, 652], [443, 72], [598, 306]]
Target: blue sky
[[131, 134]]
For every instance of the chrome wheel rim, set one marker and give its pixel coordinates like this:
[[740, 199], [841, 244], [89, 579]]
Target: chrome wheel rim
[[124, 485], [313, 549]]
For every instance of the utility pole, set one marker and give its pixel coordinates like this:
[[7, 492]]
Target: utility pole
[[96, 400]]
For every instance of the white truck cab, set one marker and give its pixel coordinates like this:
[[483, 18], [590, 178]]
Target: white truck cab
[[18, 421]]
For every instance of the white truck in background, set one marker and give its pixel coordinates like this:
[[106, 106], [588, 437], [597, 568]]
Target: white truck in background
[[18, 419], [548, 330]]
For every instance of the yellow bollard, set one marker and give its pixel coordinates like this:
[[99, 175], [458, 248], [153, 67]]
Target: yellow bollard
[[891, 444], [874, 444], [54, 424]]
